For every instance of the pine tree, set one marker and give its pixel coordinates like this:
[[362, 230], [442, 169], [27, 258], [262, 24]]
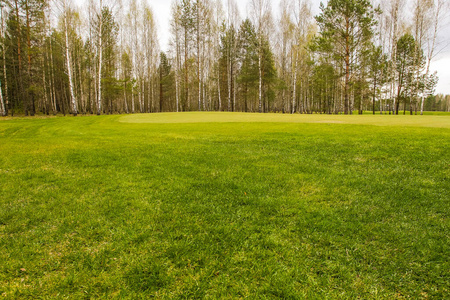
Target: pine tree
[[406, 60], [345, 27], [248, 60]]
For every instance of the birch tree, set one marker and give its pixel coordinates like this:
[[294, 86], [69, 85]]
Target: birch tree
[[218, 20], [303, 33], [100, 58], [175, 27], [429, 17], [395, 9], [65, 7], [285, 45], [3, 100], [150, 41], [260, 11]]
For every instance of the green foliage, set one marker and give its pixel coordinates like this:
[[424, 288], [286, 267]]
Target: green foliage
[[111, 87], [228, 62], [323, 77], [409, 59], [166, 82], [437, 103], [187, 15], [406, 57], [345, 23], [346, 29], [23, 41], [281, 206], [248, 57]]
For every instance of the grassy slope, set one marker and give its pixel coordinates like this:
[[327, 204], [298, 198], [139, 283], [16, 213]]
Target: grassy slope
[[98, 207]]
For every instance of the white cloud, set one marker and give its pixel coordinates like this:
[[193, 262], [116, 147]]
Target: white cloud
[[442, 66]]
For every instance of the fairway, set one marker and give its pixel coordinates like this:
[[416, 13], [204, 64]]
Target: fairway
[[225, 206]]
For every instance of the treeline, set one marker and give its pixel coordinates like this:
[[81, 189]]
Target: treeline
[[105, 58], [437, 102]]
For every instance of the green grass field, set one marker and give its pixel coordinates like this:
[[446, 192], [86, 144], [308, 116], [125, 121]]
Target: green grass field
[[219, 205]]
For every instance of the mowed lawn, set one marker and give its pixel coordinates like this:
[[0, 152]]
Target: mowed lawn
[[219, 205]]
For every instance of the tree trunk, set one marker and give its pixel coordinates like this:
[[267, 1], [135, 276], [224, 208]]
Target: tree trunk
[[19, 55], [52, 80], [177, 94], [294, 83], [260, 81], [132, 100], [68, 62], [5, 99], [29, 75], [125, 97], [178, 67], [82, 95], [100, 61], [161, 92], [186, 75], [16, 2], [5, 110], [229, 73], [2, 103], [347, 68], [218, 90], [198, 57], [374, 93], [44, 81], [140, 96]]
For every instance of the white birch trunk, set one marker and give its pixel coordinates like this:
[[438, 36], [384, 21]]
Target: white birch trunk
[[44, 81], [260, 81], [5, 78], [177, 68], [2, 103], [218, 70], [294, 87], [229, 82], [177, 96], [229, 75], [52, 79], [68, 63], [100, 61], [3, 100], [198, 58], [44, 55]]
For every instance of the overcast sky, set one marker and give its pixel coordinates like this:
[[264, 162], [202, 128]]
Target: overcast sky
[[161, 8]]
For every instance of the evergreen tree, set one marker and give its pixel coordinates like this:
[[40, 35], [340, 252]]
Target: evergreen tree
[[378, 68], [406, 61], [110, 85], [165, 83], [269, 76], [248, 61], [346, 26]]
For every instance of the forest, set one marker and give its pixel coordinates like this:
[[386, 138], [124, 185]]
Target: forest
[[104, 57]]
